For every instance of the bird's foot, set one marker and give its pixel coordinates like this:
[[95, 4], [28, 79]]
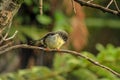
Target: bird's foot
[[47, 49]]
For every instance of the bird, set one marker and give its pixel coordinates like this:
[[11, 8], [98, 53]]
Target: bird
[[53, 40]]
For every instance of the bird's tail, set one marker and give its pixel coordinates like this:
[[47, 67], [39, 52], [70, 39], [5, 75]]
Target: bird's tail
[[36, 43]]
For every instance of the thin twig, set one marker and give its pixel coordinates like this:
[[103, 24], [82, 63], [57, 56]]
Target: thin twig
[[5, 46], [9, 38], [41, 6], [73, 6], [9, 26], [62, 51], [109, 4], [6, 34], [84, 3], [1, 41], [116, 5], [1, 31], [89, 1]]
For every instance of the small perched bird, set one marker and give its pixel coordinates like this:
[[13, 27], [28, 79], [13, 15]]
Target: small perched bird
[[53, 40]]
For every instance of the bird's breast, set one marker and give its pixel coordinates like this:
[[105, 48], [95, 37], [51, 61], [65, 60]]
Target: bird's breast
[[54, 42]]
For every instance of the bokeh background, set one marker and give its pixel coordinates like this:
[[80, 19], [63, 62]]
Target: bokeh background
[[92, 32]]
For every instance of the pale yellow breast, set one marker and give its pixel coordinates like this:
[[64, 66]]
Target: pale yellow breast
[[54, 42]]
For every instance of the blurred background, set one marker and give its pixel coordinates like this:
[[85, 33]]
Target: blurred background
[[92, 32]]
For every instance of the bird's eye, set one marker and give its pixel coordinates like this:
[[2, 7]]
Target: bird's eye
[[63, 35], [65, 38]]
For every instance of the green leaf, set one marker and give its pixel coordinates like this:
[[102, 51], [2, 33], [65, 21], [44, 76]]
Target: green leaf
[[28, 2], [103, 22], [84, 74], [73, 63], [100, 47], [44, 19], [66, 63], [61, 22]]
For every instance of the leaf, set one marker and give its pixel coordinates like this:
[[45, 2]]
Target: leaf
[[103, 22], [61, 22], [44, 19], [28, 2], [84, 74], [66, 63], [99, 47]]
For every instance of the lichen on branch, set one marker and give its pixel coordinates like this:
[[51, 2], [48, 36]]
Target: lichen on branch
[[8, 8]]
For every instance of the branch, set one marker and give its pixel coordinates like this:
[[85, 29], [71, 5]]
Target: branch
[[41, 6], [9, 38], [6, 45], [8, 8], [8, 30], [6, 34], [61, 51], [109, 4], [96, 6], [89, 1], [116, 5]]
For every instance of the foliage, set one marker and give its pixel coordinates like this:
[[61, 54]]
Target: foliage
[[67, 67], [41, 26], [74, 68], [109, 23]]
